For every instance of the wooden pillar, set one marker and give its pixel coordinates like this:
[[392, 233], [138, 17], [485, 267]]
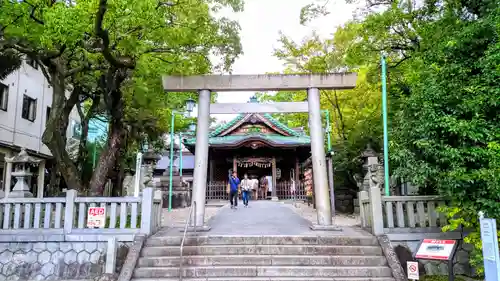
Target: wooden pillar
[[274, 197], [211, 171], [297, 172], [235, 164], [41, 179]]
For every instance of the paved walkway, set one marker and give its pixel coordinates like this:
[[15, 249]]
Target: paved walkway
[[267, 218]]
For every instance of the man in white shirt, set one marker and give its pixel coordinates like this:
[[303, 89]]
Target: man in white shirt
[[246, 187], [269, 184]]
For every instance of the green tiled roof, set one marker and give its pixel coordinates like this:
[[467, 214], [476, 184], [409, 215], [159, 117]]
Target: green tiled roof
[[276, 139], [281, 126], [221, 128]]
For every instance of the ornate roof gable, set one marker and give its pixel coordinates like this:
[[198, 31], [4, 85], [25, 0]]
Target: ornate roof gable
[[245, 122]]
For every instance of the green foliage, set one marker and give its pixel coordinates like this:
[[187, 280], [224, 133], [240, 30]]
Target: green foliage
[[354, 114], [113, 54], [444, 97], [128, 223]]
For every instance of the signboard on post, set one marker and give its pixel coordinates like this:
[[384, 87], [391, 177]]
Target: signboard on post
[[412, 269], [489, 239], [434, 249], [96, 217]]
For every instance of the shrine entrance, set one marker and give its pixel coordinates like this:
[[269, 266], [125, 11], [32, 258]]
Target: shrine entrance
[[205, 84], [260, 146]]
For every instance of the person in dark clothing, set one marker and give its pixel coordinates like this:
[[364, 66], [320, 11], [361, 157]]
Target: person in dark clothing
[[234, 183]]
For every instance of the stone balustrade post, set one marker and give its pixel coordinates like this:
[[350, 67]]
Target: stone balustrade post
[[147, 224], [377, 216], [69, 211]]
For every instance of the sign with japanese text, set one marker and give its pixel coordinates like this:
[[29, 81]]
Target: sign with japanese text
[[412, 268], [96, 217], [491, 258], [435, 249]]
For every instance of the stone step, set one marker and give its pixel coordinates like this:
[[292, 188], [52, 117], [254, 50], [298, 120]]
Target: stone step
[[265, 271], [270, 279], [262, 260], [261, 250], [159, 240]]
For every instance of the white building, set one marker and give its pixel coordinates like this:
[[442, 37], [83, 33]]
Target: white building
[[25, 101]]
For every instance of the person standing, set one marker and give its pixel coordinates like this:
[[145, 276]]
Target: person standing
[[234, 183], [263, 188], [255, 187], [246, 186]]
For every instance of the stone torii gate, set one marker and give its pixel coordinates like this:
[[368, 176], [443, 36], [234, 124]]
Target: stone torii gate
[[313, 83]]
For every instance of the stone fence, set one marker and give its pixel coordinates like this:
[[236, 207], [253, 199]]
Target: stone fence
[[64, 218], [48, 238], [406, 220]]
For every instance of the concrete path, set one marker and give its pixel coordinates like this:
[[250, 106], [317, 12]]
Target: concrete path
[[266, 218]]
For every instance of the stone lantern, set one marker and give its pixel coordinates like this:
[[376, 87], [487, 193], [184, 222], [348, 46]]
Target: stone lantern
[[22, 163], [149, 160], [370, 167]]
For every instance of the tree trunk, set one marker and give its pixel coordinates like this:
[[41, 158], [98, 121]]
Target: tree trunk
[[54, 136], [117, 132]]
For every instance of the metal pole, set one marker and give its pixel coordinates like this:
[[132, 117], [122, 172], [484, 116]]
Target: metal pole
[[329, 162], [328, 136], [171, 161], [201, 156], [321, 192], [94, 155], [386, 134], [180, 155]]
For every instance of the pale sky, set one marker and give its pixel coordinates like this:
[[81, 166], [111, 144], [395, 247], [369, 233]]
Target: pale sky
[[261, 23]]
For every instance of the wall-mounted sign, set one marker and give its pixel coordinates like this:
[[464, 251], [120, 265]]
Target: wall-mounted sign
[[96, 217], [489, 239], [412, 268], [434, 249]]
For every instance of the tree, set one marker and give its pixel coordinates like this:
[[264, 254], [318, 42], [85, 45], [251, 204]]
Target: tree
[[355, 114], [445, 99], [114, 54]]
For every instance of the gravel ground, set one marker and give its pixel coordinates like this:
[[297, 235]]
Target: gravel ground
[[309, 213]]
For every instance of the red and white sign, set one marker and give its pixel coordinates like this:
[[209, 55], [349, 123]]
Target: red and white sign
[[434, 249], [412, 268], [96, 217]]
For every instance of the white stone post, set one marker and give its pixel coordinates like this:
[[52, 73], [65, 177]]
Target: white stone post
[[321, 190], [147, 211], [201, 157], [8, 178], [41, 179], [377, 216], [111, 256], [69, 210]]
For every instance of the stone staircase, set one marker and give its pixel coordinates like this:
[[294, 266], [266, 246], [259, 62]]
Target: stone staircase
[[259, 258]]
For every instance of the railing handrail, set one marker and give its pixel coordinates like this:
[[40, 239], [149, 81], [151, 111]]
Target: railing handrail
[[193, 207]]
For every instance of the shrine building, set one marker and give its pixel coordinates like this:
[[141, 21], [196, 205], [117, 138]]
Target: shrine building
[[257, 145]]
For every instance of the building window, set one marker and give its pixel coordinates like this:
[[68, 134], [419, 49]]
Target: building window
[[76, 129], [32, 63], [4, 96], [47, 114], [29, 108]]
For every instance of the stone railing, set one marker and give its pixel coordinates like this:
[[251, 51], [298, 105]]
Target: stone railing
[[402, 216], [65, 218]]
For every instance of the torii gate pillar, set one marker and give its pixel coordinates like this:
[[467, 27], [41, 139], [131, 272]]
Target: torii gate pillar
[[313, 83]]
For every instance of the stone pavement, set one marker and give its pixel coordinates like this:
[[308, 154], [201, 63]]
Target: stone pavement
[[178, 217], [267, 218], [309, 213]]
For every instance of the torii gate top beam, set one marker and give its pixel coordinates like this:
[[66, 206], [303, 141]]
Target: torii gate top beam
[[262, 82]]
